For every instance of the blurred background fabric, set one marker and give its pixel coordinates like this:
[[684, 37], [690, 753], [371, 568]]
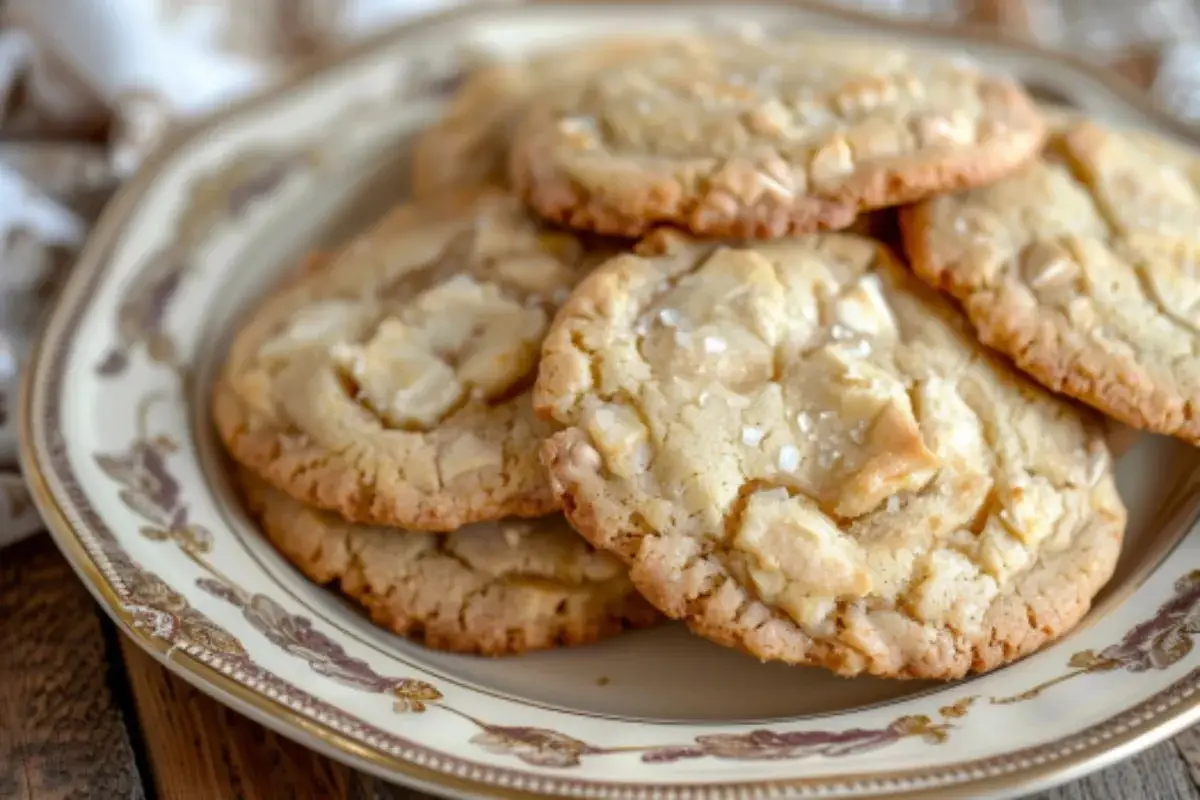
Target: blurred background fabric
[[88, 87]]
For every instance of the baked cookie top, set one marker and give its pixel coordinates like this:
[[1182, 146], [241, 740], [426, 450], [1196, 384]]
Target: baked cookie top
[[493, 588], [731, 137], [1081, 267], [393, 386], [798, 450], [469, 145]]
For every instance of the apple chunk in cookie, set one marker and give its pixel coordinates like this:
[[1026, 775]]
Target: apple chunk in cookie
[[799, 450]]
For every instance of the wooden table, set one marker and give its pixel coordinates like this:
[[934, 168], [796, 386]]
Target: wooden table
[[85, 714]]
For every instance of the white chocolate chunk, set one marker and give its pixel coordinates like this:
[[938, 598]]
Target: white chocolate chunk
[[862, 308], [466, 454], [791, 537], [953, 592], [398, 377], [621, 438]]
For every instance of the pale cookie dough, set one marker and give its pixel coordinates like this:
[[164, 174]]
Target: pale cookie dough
[[393, 386], [725, 136], [469, 145], [1081, 267], [493, 588], [800, 451]]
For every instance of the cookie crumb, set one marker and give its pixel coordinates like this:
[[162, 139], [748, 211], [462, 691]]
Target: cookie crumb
[[602, 681]]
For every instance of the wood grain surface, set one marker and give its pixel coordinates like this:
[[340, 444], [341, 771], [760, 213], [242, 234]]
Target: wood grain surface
[[62, 731], [85, 714], [199, 748]]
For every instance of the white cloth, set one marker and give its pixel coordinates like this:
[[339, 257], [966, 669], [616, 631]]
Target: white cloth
[[88, 86], [71, 70]]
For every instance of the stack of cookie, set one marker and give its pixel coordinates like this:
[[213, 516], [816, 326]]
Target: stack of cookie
[[617, 299]]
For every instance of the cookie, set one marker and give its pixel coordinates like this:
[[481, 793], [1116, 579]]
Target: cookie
[[1081, 268], [393, 386], [799, 449], [493, 588], [730, 137], [469, 145]]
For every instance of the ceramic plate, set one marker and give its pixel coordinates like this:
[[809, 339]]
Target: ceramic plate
[[127, 472]]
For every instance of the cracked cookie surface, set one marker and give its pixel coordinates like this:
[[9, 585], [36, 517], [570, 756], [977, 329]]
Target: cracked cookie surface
[[763, 138], [1081, 267], [493, 588], [469, 145], [393, 385], [799, 450]]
